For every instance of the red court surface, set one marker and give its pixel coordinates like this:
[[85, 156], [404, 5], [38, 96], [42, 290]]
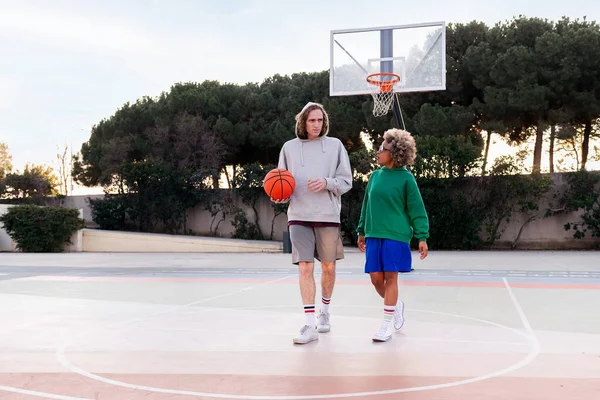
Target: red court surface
[[515, 325]]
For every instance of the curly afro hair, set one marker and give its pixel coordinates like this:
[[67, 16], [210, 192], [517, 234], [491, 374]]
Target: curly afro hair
[[402, 146]]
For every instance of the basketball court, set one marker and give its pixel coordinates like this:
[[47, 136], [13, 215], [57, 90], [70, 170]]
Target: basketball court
[[491, 325]]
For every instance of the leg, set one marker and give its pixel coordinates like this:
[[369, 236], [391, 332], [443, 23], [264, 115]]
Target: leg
[[397, 257], [393, 259], [307, 283], [329, 249], [391, 288], [303, 244], [378, 281], [374, 266], [327, 279], [386, 284], [402, 260]]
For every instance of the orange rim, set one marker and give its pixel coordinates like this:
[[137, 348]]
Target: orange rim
[[385, 86]]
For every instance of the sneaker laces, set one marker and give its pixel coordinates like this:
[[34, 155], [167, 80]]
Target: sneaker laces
[[304, 329]]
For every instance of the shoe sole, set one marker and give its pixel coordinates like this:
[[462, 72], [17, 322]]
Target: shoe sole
[[323, 329], [382, 339], [301, 342]]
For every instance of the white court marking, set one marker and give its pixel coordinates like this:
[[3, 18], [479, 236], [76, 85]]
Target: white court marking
[[530, 335], [40, 394], [60, 397]]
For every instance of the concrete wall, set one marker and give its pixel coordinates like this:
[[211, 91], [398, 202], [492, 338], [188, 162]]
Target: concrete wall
[[95, 240], [199, 220], [549, 232], [542, 233]]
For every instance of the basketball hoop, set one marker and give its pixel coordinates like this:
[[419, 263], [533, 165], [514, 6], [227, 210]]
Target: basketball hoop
[[382, 85]]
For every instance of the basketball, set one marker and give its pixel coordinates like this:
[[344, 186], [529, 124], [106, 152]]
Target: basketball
[[279, 184]]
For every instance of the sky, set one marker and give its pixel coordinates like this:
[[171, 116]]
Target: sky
[[67, 64]]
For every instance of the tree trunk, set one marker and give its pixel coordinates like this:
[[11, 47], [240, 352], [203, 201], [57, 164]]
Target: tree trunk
[[551, 150], [586, 143], [229, 185], [488, 141], [537, 151], [514, 243]]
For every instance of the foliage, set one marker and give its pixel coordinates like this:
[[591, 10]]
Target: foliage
[[41, 229], [248, 186], [507, 192], [515, 79], [150, 197], [245, 229], [5, 160], [583, 194], [446, 157], [454, 214], [35, 182]]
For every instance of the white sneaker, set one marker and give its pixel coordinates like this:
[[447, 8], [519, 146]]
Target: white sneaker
[[399, 316], [323, 325], [307, 334], [385, 332]]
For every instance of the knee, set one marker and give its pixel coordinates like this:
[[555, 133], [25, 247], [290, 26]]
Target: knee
[[328, 268], [391, 279], [377, 281], [306, 269]]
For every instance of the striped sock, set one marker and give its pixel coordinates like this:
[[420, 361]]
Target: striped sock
[[325, 305], [309, 313], [388, 313]]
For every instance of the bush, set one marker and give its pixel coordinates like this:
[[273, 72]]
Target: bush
[[454, 216], [583, 195], [110, 213], [41, 229]]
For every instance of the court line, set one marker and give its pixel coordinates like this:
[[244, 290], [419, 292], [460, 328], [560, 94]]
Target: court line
[[533, 353], [437, 281], [204, 300], [173, 309], [485, 321], [40, 394], [524, 320]]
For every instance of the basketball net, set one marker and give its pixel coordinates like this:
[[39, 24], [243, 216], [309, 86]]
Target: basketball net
[[382, 85]]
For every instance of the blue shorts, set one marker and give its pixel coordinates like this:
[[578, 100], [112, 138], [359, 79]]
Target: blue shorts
[[386, 255]]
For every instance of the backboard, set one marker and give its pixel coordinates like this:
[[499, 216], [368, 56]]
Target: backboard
[[416, 53]]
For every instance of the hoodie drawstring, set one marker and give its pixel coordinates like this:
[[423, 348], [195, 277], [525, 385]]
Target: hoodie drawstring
[[302, 149]]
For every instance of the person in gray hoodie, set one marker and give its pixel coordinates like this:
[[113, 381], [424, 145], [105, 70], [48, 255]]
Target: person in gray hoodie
[[321, 169]]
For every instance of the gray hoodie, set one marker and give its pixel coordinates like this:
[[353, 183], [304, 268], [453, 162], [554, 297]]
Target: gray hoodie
[[323, 157]]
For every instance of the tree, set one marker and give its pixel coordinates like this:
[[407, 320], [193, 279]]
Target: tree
[[578, 81], [65, 179], [35, 182], [5, 160]]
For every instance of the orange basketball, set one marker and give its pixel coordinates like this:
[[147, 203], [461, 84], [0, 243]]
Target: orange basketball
[[279, 184]]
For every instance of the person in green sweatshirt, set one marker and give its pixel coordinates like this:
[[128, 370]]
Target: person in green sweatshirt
[[392, 214]]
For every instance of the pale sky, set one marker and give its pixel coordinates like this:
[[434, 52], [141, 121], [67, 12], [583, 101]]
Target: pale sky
[[67, 64]]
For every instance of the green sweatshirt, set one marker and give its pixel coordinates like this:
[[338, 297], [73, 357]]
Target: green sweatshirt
[[393, 207]]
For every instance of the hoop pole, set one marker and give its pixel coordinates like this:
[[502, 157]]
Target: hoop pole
[[398, 112]]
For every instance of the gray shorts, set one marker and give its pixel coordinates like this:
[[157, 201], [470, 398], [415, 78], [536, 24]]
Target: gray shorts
[[322, 243]]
